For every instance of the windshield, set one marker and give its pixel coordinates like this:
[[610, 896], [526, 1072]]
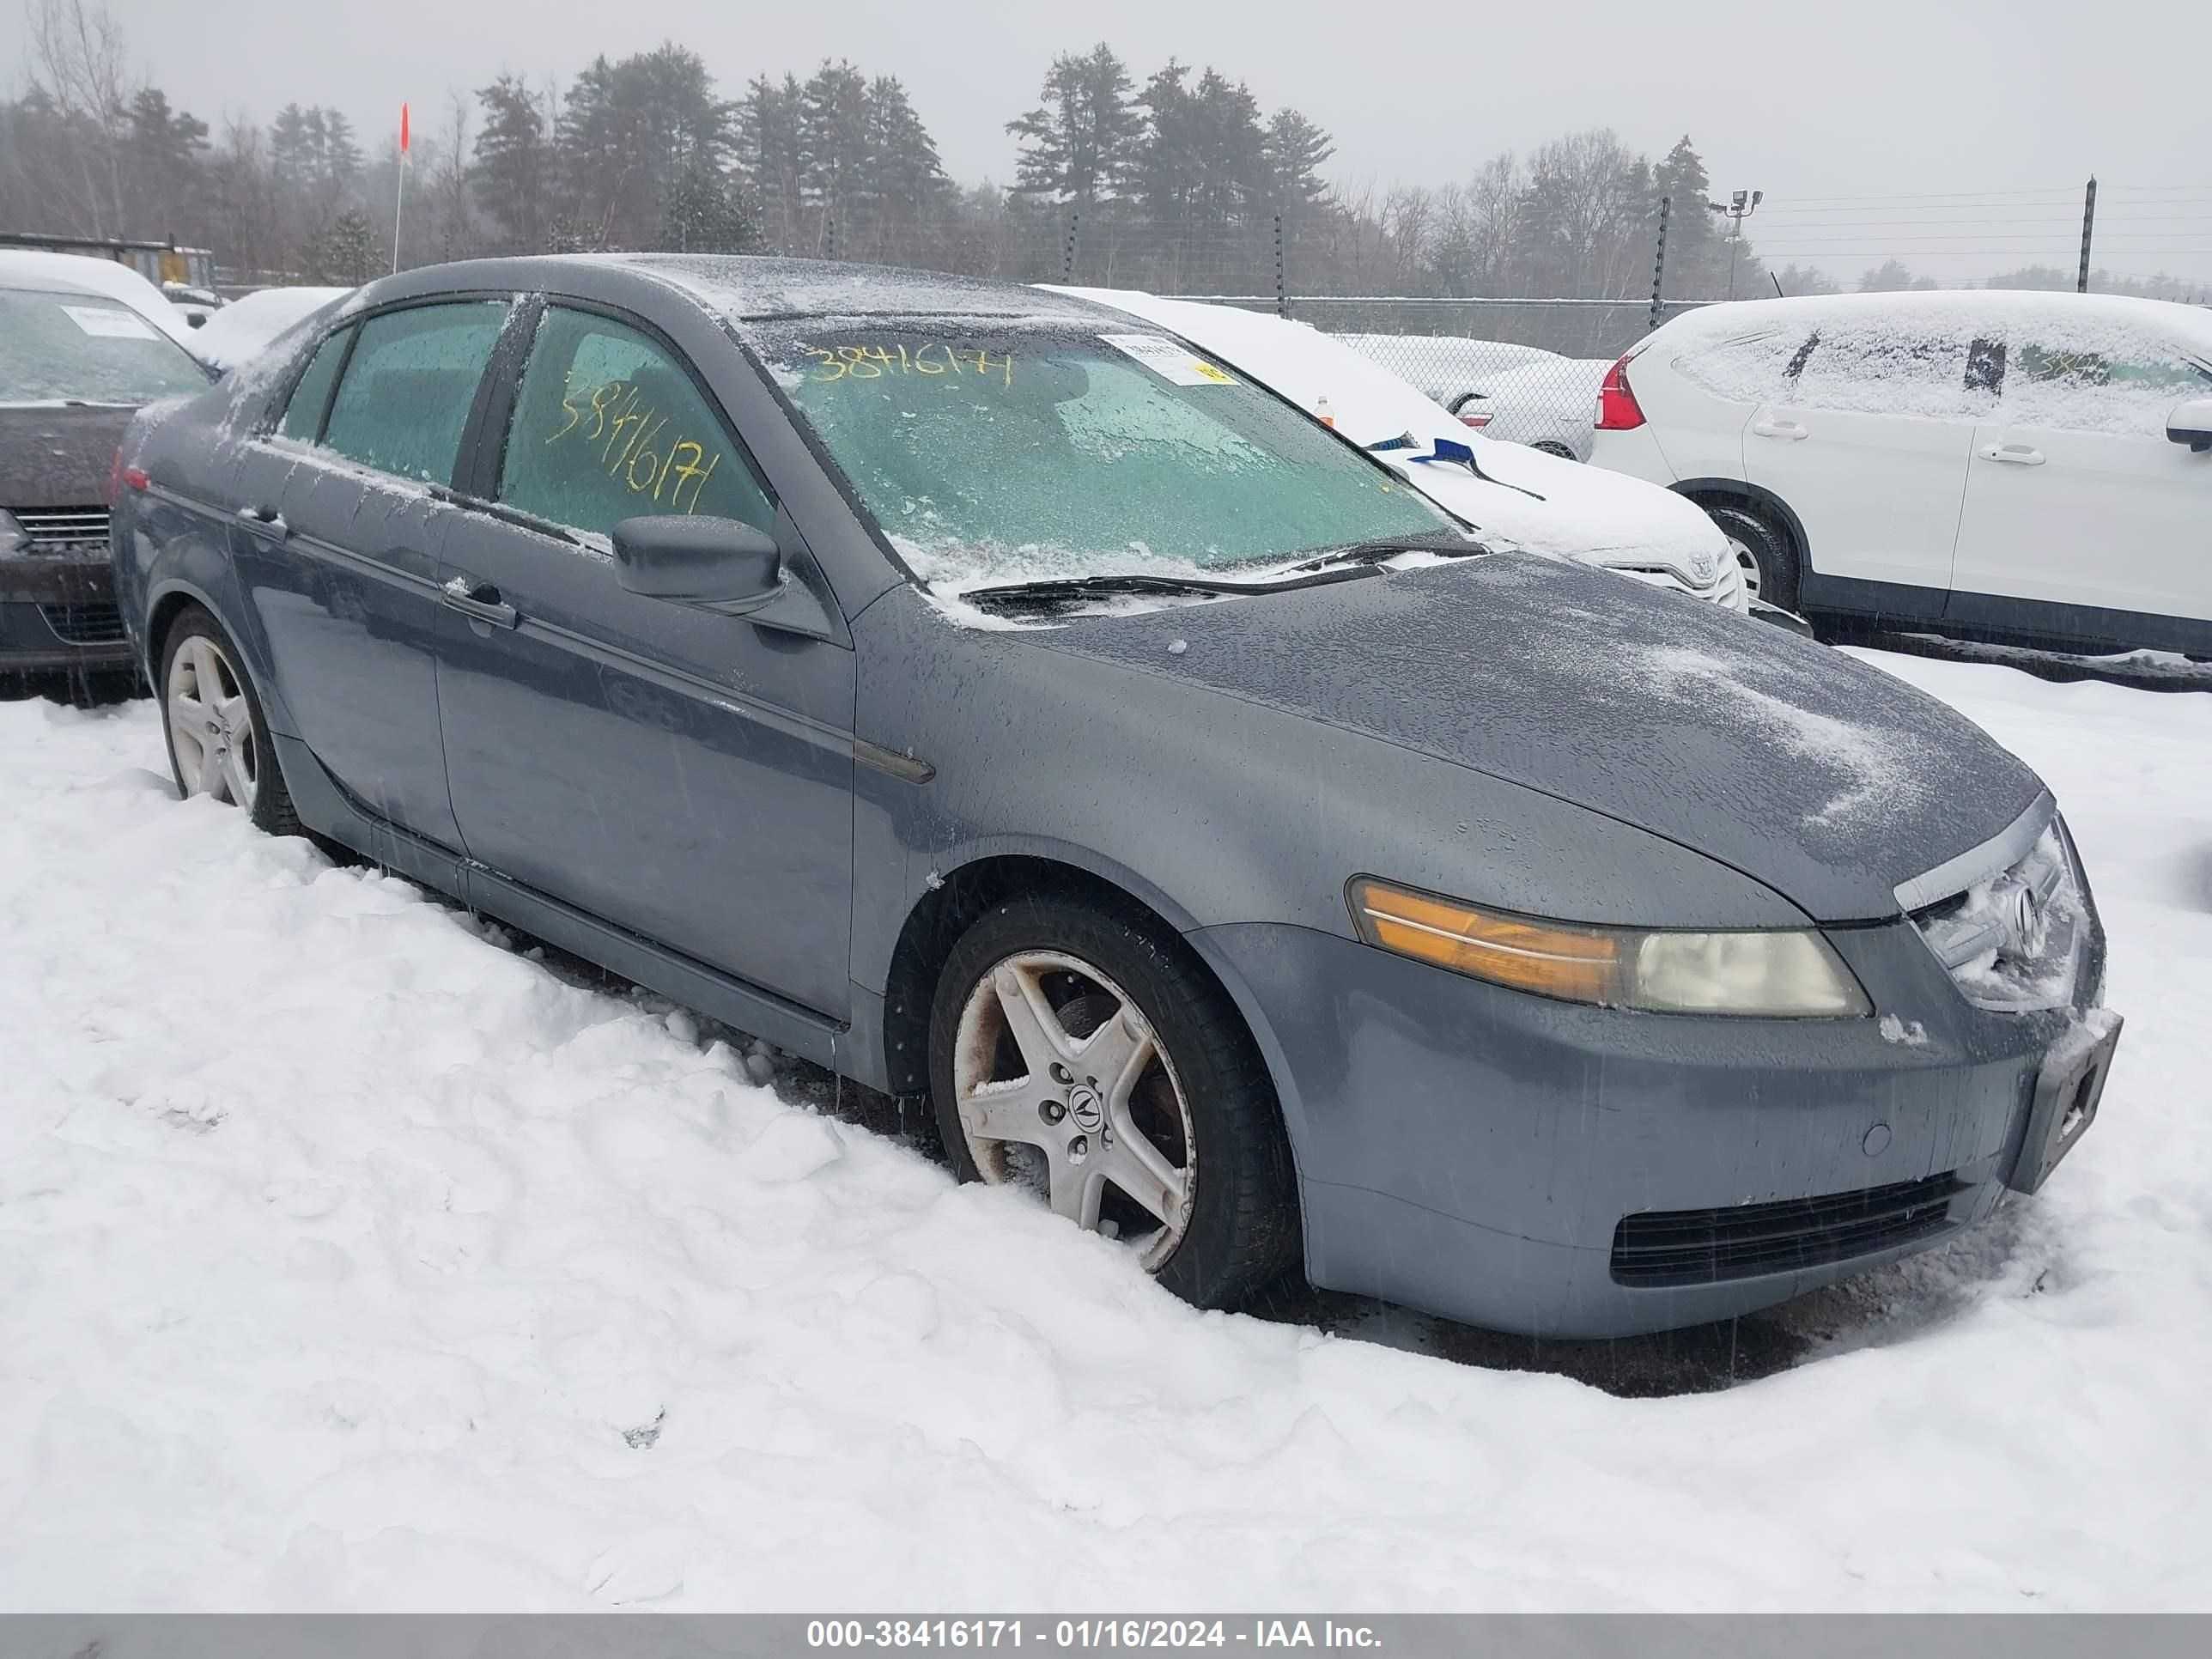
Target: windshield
[[998, 454], [79, 347]]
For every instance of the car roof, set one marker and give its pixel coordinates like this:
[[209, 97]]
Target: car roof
[[1963, 306], [760, 288], [104, 279]]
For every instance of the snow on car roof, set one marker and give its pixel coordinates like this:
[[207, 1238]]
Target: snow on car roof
[[751, 289], [1959, 309], [77, 273]]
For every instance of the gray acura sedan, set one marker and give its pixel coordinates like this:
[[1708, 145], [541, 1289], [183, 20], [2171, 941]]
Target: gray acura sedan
[[990, 697]]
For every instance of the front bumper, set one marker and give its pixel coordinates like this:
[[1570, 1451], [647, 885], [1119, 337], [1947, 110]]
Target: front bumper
[[58, 614], [1512, 1162]]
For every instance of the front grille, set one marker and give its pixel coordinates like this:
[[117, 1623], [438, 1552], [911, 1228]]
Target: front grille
[[1706, 1247], [63, 528], [85, 624], [2011, 941]]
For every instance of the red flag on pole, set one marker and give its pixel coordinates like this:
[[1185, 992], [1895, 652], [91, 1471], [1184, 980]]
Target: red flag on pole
[[402, 129]]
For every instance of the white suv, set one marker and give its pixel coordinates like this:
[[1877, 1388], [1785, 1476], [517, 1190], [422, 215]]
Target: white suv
[[2022, 465]]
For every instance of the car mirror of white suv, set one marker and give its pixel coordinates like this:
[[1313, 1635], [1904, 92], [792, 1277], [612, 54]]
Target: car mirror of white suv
[[2190, 423]]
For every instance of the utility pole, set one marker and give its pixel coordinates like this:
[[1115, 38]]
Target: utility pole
[[2089, 224], [1737, 209]]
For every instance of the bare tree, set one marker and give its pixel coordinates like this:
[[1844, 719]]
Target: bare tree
[[80, 61]]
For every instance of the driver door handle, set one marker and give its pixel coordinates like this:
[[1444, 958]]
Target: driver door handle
[[2016, 454], [1789, 431], [266, 519], [479, 601]]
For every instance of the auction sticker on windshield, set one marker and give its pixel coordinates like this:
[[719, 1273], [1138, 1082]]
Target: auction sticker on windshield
[[109, 322], [1168, 359]]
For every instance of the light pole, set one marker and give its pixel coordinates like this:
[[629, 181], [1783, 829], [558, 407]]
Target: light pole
[[1738, 208]]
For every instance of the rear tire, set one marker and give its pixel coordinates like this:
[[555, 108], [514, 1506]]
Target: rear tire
[[1202, 1114], [1762, 549], [209, 704]]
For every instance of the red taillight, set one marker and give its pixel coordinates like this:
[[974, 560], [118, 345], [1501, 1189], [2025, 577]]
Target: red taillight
[[1617, 408], [120, 477], [1474, 420]]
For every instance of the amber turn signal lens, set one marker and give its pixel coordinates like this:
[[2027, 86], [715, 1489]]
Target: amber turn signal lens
[[1553, 961]]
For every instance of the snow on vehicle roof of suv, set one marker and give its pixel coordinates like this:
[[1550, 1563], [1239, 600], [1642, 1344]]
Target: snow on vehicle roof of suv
[[1964, 307]]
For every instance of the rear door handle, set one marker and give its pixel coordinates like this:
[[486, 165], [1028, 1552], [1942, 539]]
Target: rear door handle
[[2016, 454], [479, 600], [1790, 431], [266, 519]]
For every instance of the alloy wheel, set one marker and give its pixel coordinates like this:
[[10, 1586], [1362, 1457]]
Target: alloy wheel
[[1063, 1086], [1747, 561], [211, 724]]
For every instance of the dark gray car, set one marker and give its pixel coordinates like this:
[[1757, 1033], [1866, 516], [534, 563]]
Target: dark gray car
[[75, 366], [987, 695]]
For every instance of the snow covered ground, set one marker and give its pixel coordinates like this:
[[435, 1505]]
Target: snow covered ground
[[350, 1259]]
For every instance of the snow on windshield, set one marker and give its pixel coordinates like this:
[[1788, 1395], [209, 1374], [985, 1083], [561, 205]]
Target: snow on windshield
[[993, 455], [83, 348]]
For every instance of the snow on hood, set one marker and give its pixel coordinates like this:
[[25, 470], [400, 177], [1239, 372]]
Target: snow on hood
[[1546, 504], [1827, 781], [246, 326]]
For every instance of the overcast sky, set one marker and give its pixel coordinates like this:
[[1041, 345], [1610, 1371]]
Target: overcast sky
[[1881, 99]]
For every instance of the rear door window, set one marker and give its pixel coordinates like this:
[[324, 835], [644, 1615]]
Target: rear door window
[[609, 426], [1752, 368], [409, 387], [1884, 367], [303, 414]]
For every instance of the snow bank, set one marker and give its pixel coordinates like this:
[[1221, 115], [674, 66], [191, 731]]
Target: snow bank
[[351, 1259]]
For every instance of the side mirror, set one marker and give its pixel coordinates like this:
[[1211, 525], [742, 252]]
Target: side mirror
[[2190, 423], [196, 319], [717, 564]]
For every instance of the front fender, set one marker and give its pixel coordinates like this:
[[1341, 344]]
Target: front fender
[[1211, 809]]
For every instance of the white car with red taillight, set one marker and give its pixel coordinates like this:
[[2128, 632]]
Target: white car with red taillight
[[2030, 467], [1544, 504], [1548, 406]]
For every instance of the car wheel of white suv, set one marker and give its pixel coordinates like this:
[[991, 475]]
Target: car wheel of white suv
[[1769, 562]]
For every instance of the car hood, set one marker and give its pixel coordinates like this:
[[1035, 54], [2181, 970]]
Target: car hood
[[57, 454], [1820, 776], [1571, 510]]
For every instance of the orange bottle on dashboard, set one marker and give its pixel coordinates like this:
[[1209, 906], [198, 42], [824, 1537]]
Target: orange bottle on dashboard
[[1324, 413]]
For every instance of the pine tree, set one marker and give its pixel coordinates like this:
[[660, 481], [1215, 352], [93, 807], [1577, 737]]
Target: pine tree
[[704, 212], [512, 174], [1077, 143], [769, 155], [833, 148], [345, 251], [1295, 150], [164, 149]]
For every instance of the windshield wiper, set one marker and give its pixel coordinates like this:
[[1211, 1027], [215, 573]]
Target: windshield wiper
[[1381, 549], [1073, 590]]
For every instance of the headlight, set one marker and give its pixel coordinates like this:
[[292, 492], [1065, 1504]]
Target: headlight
[[12, 539], [1787, 975]]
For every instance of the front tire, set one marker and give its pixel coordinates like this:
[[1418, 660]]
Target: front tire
[[1762, 551], [212, 718], [1080, 1051]]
